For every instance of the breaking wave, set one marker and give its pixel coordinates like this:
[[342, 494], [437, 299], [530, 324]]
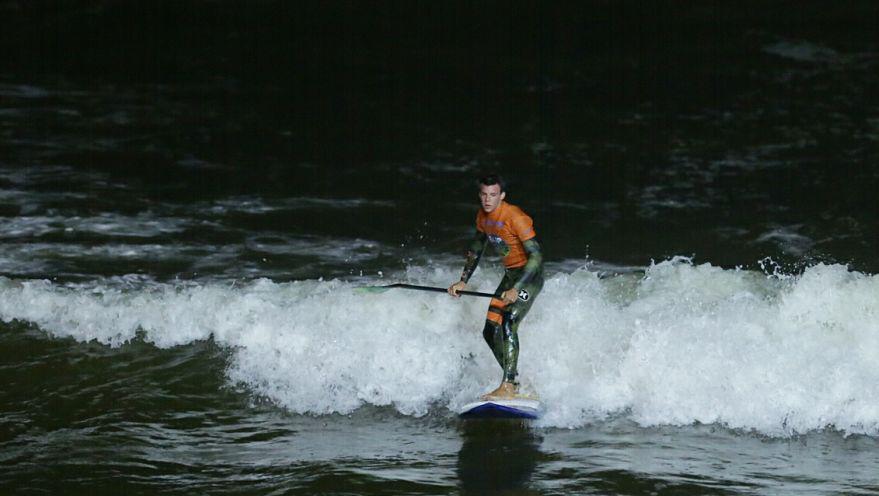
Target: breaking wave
[[679, 344]]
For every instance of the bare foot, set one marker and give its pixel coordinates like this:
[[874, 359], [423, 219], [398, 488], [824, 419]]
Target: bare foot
[[506, 391]]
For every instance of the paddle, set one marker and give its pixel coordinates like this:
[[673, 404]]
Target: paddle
[[381, 289]]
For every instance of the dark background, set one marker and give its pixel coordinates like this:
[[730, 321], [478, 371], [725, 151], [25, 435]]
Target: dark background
[[630, 130]]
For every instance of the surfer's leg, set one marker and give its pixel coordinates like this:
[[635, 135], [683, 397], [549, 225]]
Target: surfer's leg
[[491, 333], [512, 317], [510, 348], [503, 337], [494, 319]]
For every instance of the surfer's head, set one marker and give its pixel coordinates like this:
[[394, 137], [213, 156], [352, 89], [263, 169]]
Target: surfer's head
[[491, 179], [491, 192]]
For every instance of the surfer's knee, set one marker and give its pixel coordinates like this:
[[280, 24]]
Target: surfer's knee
[[509, 322]]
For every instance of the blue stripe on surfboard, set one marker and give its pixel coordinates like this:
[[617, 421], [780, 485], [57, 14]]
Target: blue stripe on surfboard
[[494, 410]]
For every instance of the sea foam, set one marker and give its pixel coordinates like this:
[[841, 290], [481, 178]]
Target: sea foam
[[678, 344]]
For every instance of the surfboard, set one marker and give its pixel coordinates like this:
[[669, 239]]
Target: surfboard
[[517, 408]]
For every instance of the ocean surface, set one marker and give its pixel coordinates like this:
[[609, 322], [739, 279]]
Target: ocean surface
[[191, 194]]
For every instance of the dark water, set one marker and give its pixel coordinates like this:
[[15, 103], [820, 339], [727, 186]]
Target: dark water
[[190, 191]]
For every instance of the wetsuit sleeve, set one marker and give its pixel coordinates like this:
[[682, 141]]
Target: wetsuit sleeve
[[534, 264], [474, 253]]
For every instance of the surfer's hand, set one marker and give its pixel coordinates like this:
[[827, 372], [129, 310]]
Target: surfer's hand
[[510, 295], [458, 286]]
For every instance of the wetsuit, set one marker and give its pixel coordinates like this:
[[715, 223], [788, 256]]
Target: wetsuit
[[510, 231]]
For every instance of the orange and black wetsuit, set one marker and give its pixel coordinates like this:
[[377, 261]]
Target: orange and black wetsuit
[[511, 232]]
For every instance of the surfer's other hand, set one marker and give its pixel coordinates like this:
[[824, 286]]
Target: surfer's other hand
[[458, 286], [509, 296]]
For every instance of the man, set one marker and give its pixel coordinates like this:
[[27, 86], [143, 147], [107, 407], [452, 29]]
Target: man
[[510, 231]]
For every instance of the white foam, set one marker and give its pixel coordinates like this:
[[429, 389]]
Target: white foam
[[143, 225], [324, 248], [62, 258], [682, 344], [259, 205], [802, 51], [37, 174], [30, 201], [787, 238], [208, 260]]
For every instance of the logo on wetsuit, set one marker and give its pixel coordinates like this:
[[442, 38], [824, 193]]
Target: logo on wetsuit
[[523, 295], [499, 245]]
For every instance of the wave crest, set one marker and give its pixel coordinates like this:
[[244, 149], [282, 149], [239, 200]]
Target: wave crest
[[681, 344]]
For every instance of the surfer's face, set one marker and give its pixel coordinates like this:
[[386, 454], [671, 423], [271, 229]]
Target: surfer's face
[[490, 197]]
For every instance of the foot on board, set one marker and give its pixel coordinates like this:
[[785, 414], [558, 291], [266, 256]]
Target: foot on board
[[506, 391]]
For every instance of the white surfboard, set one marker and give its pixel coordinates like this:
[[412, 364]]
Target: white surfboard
[[516, 408]]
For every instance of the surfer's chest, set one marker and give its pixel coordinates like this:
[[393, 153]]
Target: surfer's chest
[[500, 235], [496, 228]]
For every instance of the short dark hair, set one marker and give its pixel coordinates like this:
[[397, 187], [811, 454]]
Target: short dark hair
[[490, 180]]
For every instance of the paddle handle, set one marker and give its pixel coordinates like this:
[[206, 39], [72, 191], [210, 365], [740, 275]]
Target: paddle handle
[[437, 290]]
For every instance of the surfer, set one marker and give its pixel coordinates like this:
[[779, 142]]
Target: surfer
[[511, 232]]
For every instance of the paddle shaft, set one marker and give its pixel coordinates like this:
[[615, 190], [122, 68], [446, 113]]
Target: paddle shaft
[[436, 290]]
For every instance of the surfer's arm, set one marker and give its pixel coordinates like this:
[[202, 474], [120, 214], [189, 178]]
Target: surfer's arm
[[474, 253], [534, 263], [532, 267]]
